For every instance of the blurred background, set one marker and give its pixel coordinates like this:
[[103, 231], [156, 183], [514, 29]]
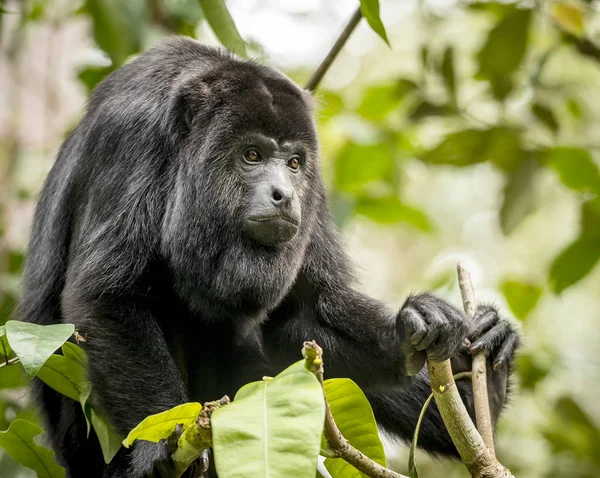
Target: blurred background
[[474, 137]]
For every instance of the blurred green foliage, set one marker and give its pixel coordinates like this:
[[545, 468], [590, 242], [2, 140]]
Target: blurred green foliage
[[498, 103]]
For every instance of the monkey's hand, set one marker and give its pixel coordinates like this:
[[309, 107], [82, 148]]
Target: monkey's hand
[[490, 333], [430, 328]]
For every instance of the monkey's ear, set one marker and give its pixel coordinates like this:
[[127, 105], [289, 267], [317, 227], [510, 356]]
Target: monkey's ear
[[189, 99]]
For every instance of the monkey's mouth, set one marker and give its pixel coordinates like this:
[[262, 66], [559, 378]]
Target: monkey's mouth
[[277, 217]]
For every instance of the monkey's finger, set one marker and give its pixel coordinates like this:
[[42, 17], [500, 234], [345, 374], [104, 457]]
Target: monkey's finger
[[507, 351], [415, 362], [411, 323], [433, 333], [492, 339], [483, 323]]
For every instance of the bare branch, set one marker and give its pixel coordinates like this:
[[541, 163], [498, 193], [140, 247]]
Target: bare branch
[[319, 73], [480, 393]]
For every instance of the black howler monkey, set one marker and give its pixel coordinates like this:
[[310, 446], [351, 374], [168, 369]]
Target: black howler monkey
[[184, 230]]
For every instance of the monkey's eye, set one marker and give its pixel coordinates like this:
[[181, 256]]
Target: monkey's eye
[[252, 156], [294, 163]]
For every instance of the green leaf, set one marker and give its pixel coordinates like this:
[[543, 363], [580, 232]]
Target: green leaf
[[5, 350], [448, 74], [370, 10], [499, 145], [273, 428], [221, 22], [522, 297], [519, 198], [390, 210], [545, 115], [66, 376], [534, 366], [426, 108], [34, 343], [504, 51], [18, 443], [13, 376], [360, 164], [569, 17], [574, 263], [576, 169], [110, 440], [116, 28], [380, 100], [161, 425], [74, 352], [354, 417]]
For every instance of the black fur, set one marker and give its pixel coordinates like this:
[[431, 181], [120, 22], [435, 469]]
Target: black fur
[[139, 240]]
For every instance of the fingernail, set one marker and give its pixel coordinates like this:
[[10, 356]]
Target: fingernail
[[467, 343], [497, 364], [473, 350]]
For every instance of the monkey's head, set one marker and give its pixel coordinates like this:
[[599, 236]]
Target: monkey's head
[[252, 148], [248, 187]]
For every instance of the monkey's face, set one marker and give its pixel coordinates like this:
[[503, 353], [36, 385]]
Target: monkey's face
[[273, 173]]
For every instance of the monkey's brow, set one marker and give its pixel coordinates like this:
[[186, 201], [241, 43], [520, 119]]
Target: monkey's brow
[[271, 142]]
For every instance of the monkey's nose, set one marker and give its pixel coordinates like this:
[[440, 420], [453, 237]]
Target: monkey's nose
[[281, 196]]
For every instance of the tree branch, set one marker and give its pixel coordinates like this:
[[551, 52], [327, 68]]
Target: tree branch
[[319, 73], [480, 393], [474, 453], [341, 448]]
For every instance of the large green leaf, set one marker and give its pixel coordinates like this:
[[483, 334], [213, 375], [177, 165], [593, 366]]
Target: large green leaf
[[219, 19], [272, 428], [522, 297], [66, 376], [357, 165], [354, 417], [18, 443], [576, 169], [390, 210], [504, 51], [161, 425], [34, 343], [370, 10]]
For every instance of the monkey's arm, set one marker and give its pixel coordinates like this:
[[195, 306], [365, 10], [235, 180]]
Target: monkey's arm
[[133, 375]]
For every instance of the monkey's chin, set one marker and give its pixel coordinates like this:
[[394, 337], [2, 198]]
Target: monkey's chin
[[271, 231]]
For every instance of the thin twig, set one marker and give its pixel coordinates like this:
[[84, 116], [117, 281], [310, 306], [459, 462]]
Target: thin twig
[[483, 417], [338, 445], [9, 362], [319, 73]]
